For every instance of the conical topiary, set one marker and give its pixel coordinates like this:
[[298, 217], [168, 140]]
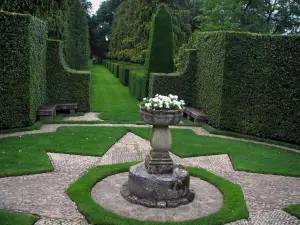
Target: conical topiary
[[160, 47]]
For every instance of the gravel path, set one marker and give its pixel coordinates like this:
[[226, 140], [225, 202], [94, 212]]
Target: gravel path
[[90, 116], [44, 194]]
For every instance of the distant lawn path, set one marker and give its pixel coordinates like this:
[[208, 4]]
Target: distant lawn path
[[111, 98]]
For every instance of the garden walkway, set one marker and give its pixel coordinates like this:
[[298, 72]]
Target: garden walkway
[[44, 194]]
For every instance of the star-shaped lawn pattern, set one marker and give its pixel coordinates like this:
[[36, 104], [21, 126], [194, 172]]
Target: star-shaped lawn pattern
[[45, 194]]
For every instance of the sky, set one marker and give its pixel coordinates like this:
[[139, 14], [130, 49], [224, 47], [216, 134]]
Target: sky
[[96, 4]]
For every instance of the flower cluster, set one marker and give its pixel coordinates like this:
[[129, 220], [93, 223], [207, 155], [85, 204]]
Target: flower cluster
[[160, 102]]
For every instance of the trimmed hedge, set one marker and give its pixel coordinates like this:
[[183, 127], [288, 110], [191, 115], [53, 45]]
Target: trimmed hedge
[[182, 84], [77, 47], [23, 69], [249, 83], [135, 80], [160, 47], [63, 83]]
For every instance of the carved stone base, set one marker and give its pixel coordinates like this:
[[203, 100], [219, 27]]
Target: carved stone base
[[159, 163], [151, 203], [158, 190]]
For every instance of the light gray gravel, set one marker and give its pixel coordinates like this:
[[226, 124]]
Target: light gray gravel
[[90, 116], [44, 194]]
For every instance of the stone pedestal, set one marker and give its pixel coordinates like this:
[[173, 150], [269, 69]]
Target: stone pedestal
[[157, 182], [159, 160], [158, 190]]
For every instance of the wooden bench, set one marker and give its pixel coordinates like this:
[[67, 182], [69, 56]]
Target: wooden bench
[[47, 112], [195, 114]]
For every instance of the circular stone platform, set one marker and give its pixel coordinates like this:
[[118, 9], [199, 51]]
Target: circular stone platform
[[208, 200], [166, 190]]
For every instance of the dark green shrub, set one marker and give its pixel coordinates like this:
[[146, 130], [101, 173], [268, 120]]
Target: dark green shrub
[[249, 83], [131, 75], [63, 83], [23, 69], [77, 38], [116, 70], [160, 48], [124, 75], [182, 84]]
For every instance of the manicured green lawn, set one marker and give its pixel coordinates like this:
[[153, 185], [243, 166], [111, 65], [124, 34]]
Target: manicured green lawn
[[112, 98], [13, 218], [18, 158], [294, 210], [96, 141], [245, 156], [27, 154], [234, 207]]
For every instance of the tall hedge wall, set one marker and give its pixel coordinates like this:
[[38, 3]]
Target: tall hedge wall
[[23, 69], [182, 84], [77, 47], [63, 83], [249, 83], [210, 55]]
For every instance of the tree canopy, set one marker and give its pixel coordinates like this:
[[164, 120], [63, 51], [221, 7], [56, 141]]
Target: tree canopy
[[132, 23], [259, 16]]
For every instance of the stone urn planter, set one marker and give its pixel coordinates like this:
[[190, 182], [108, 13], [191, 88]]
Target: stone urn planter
[[159, 160], [157, 182]]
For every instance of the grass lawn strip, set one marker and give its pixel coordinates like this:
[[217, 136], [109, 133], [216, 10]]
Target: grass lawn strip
[[293, 210], [26, 154], [80, 192], [245, 156], [19, 160], [216, 131], [13, 218], [111, 98]]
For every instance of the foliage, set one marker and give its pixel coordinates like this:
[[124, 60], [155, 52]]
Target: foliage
[[63, 83], [100, 27], [293, 210], [234, 207], [111, 98], [160, 47], [77, 38], [23, 77], [51, 11], [180, 83], [280, 16], [13, 218], [254, 93], [132, 24], [134, 74]]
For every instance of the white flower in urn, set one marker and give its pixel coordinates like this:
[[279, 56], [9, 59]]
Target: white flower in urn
[[161, 102]]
